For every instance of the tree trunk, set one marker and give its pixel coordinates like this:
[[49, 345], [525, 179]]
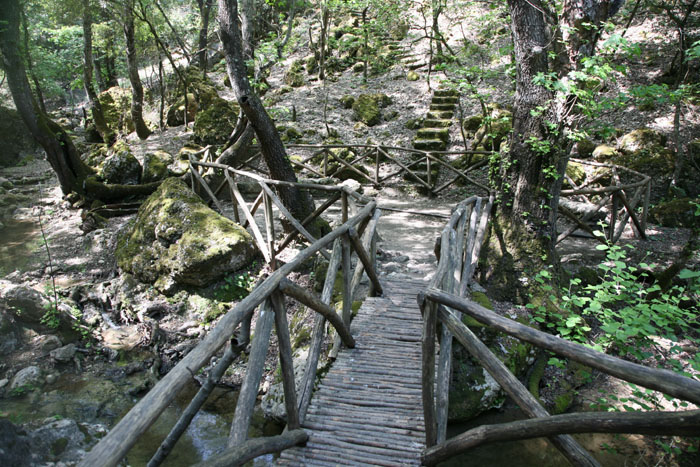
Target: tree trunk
[[298, 202], [204, 10], [72, 173], [97, 114], [529, 177], [136, 88], [30, 67]]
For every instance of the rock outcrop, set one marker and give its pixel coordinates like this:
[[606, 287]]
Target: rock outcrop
[[177, 239]]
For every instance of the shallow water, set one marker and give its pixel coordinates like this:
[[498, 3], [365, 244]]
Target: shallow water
[[18, 242]]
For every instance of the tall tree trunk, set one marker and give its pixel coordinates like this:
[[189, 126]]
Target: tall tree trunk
[[97, 114], [298, 202], [529, 177], [136, 88], [204, 10], [60, 151], [30, 66]]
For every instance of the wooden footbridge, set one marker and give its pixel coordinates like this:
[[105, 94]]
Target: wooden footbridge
[[384, 400]]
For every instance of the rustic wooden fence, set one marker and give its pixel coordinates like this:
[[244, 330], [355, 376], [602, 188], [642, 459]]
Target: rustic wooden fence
[[618, 189], [382, 164], [356, 234], [445, 300]]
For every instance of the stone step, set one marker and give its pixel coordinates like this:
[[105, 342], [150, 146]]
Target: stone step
[[449, 107], [445, 92], [443, 134], [441, 114], [429, 144], [445, 99], [437, 123]]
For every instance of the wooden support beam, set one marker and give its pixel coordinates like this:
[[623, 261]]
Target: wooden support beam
[[292, 220], [257, 235], [653, 378], [251, 382], [317, 212], [270, 230], [683, 423], [286, 361], [368, 239], [234, 200], [429, 311], [511, 385], [305, 297], [204, 185], [366, 261], [249, 450]]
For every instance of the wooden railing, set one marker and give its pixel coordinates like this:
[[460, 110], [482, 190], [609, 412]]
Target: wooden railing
[[621, 198], [445, 300], [356, 234], [383, 164]]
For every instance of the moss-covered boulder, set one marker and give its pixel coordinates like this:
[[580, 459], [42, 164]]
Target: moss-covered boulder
[[177, 239], [576, 172], [676, 213], [311, 64], [473, 123], [347, 101], [603, 152], [176, 112], [215, 124], [116, 106], [492, 133], [155, 166], [584, 148], [15, 137], [367, 108], [472, 389], [121, 167], [640, 139]]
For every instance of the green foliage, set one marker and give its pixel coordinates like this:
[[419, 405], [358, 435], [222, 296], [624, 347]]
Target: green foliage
[[627, 310], [237, 286]]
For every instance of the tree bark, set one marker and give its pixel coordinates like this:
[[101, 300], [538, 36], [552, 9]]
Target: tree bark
[[204, 10], [97, 114], [136, 88], [298, 202]]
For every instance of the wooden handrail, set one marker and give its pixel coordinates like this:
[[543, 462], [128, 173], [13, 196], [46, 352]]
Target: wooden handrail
[[113, 447]]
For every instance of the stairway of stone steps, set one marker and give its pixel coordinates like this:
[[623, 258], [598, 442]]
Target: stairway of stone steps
[[434, 135]]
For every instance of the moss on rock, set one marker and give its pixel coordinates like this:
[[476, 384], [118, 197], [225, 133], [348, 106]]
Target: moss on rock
[[176, 112], [366, 109], [215, 124], [121, 167], [155, 166], [116, 106], [641, 138], [676, 213], [177, 239]]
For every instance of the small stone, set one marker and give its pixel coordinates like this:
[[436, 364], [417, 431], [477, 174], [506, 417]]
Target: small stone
[[51, 378], [64, 354], [412, 76]]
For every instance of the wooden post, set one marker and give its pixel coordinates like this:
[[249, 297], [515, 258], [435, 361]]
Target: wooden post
[[429, 311], [344, 206], [255, 447], [286, 361], [645, 208], [429, 177], [613, 217], [347, 298], [251, 382], [365, 260], [270, 230], [234, 201], [376, 166]]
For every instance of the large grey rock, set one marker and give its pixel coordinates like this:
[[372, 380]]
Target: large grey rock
[[9, 334], [15, 445], [64, 354], [25, 304], [176, 238], [121, 167], [26, 377], [65, 441]]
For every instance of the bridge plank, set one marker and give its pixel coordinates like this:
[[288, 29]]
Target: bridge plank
[[367, 410]]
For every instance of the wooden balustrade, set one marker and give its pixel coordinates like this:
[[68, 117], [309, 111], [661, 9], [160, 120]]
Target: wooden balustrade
[[444, 301], [269, 293]]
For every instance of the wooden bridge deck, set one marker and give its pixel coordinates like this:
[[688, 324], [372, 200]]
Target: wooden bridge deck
[[368, 407]]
